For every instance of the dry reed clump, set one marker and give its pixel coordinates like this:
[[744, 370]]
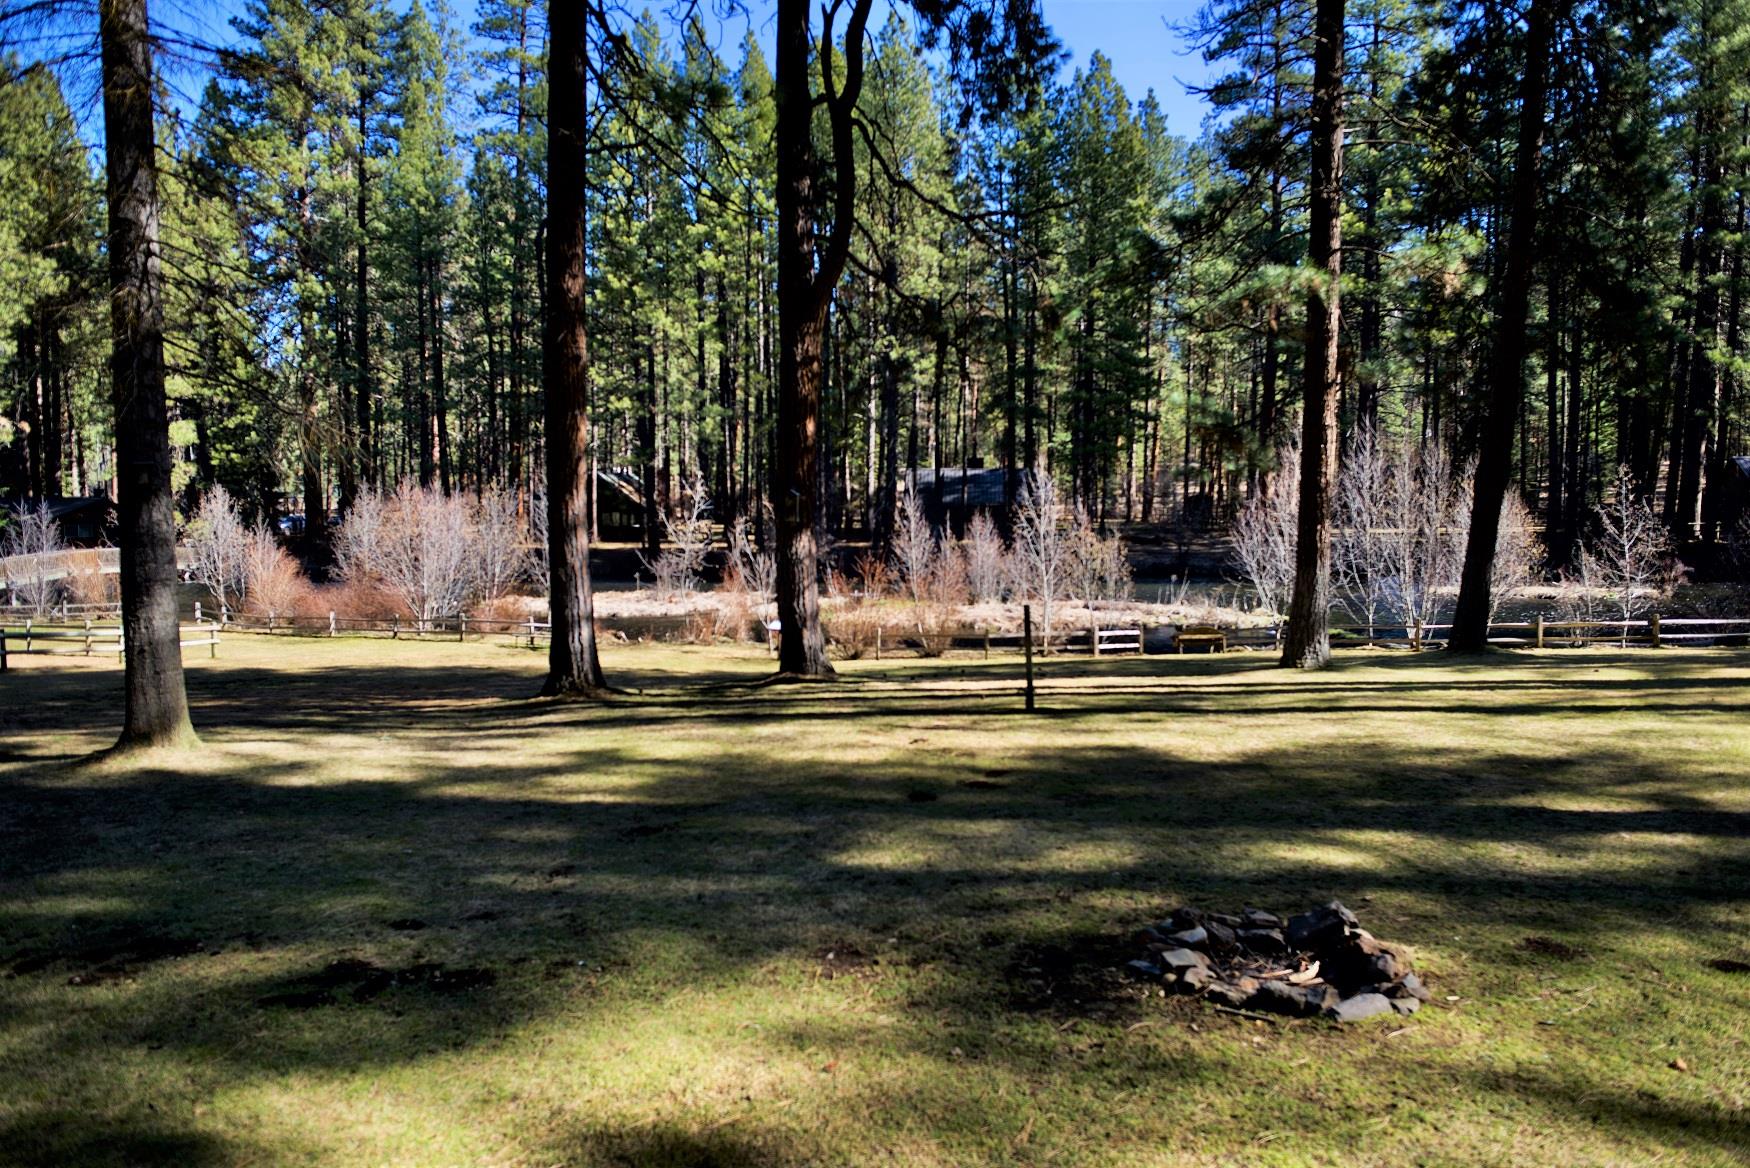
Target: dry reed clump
[[851, 631], [86, 583], [360, 600]]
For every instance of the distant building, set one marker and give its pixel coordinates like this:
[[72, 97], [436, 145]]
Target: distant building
[[953, 495], [85, 521], [619, 506]]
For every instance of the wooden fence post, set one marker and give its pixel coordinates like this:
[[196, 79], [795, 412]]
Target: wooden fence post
[[1540, 630], [1093, 631], [224, 614], [197, 612], [88, 636], [29, 624], [1027, 644], [395, 628], [987, 643], [270, 620], [331, 622], [462, 631], [877, 642], [1653, 628], [1416, 635]]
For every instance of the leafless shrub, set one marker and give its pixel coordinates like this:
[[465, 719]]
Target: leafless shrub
[[1362, 554], [916, 548], [1264, 532], [418, 544], [753, 570], [273, 582], [677, 568], [1517, 553], [875, 576], [985, 559], [86, 583], [501, 543], [1629, 557], [219, 544], [1427, 515], [1041, 557], [33, 555], [851, 631], [1099, 564]]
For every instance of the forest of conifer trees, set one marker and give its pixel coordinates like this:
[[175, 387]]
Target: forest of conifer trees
[[354, 207]]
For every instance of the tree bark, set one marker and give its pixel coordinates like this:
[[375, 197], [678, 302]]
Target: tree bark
[[1307, 639], [1470, 620], [156, 700], [573, 668], [806, 278]]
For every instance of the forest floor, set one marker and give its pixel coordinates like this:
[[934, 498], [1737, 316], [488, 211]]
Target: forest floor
[[394, 913]]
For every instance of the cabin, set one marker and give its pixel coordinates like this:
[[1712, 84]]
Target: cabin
[[84, 521], [952, 495], [619, 506]]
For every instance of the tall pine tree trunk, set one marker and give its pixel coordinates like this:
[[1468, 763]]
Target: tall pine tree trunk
[[1307, 639], [361, 340], [157, 703], [1470, 620], [573, 668], [805, 283]]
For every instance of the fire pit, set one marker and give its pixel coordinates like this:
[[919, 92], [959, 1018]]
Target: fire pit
[[1319, 963]]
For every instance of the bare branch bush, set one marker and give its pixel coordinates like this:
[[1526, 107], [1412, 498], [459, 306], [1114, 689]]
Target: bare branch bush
[[418, 543], [753, 570], [916, 548], [1518, 552], [1264, 532], [986, 559], [1041, 557], [678, 568], [502, 546], [1428, 514], [273, 584], [1363, 553], [218, 543], [34, 557], [1629, 557], [86, 582]]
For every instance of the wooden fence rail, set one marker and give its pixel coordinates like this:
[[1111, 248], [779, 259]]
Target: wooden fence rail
[[82, 639]]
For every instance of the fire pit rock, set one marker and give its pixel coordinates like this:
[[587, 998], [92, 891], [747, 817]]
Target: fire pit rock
[[1320, 963]]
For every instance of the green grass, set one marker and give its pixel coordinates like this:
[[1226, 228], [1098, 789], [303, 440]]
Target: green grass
[[656, 885]]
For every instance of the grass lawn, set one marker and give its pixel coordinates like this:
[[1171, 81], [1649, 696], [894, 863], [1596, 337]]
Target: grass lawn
[[868, 923]]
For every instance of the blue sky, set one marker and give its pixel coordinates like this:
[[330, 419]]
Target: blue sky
[[1137, 35]]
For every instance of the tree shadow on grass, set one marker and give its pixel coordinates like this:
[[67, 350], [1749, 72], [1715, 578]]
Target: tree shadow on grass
[[587, 858]]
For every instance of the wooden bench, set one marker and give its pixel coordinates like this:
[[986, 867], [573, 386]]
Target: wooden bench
[[1201, 635]]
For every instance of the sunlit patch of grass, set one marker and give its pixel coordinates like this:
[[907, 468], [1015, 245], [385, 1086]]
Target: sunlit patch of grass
[[778, 927]]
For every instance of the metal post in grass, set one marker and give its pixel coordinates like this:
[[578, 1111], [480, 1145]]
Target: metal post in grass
[[1027, 644]]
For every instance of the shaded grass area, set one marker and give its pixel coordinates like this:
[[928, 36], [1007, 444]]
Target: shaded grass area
[[395, 912]]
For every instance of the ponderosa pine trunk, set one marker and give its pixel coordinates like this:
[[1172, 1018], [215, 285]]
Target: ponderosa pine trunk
[[156, 701], [1307, 639], [1470, 620], [807, 275], [573, 668]]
